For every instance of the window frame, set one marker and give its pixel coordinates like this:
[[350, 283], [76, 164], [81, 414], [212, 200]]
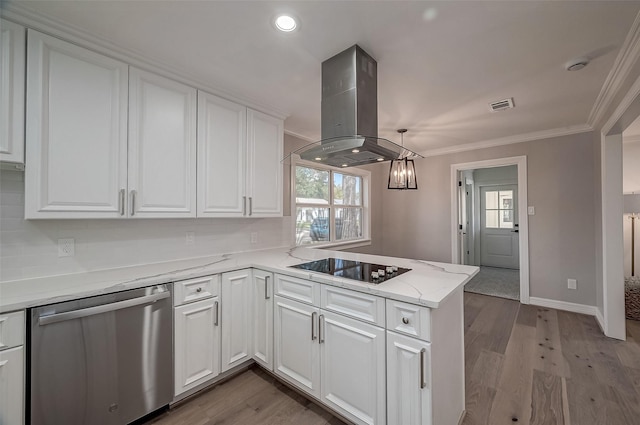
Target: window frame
[[365, 175]]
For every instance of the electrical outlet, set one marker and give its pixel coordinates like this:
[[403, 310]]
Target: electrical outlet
[[190, 238], [66, 247], [254, 237], [572, 284]]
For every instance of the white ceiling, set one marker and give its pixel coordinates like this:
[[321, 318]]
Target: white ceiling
[[439, 63]]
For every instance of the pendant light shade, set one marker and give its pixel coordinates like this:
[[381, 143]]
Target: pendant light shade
[[402, 173]]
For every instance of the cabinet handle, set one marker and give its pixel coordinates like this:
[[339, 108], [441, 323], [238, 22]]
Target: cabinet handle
[[121, 201], [313, 326], [133, 203], [250, 205], [405, 320], [244, 205], [266, 287], [423, 382], [321, 331], [199, 290], [216, 310]]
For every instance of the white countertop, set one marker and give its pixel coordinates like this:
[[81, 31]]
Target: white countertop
[[428, 283]]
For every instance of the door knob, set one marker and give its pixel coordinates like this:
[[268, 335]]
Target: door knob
[[515, 231]]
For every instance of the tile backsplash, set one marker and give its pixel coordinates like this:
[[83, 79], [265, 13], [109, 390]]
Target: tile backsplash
[[29, 248]]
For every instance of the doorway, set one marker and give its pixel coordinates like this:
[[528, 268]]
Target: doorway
[[490, 227]]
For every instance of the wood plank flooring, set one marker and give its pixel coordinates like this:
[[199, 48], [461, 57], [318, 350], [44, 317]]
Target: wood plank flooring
[[524, 364]]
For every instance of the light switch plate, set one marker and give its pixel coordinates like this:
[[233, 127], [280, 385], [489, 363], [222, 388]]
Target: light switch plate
[[531, 210]]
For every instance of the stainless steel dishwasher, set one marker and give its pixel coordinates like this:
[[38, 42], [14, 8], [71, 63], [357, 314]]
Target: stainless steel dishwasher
[[101, 360]]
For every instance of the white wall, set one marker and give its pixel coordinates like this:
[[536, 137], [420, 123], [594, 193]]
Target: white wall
[[562, 187], [28, 248]]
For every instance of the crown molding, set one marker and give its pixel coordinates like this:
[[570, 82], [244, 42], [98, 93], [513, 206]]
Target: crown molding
[[19, 14], [630, 139], [510, 140], [300, 136], [629, 54]]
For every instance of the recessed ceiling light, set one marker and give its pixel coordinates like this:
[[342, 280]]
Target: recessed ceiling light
[[344, 165], [286, 23], [380, 159], [318, 158], [355, 150]]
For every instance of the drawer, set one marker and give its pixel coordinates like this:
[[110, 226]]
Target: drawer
[[12, 327], [301, 290], [187, 291], [365, 307], [409, 319]]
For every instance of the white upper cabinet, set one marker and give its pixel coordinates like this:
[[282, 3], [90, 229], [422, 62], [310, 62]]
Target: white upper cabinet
[[162, 147], [265, 147], [222, 151], [76, 137], [12, 88], [239, 154]]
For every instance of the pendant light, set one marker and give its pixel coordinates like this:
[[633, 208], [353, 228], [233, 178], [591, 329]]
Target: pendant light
[[402, 174]]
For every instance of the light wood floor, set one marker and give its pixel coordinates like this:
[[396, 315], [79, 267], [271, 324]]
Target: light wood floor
[[524, 364]]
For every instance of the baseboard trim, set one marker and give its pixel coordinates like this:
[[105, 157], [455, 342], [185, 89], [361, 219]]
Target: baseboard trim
[[591, 310], [600, 320]]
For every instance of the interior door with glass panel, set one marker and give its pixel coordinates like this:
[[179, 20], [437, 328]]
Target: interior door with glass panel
[[499, 226]]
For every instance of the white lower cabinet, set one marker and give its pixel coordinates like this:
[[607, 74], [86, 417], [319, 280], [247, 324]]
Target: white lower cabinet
[[197, 344], [12, 386], [336, 359], [262, 308], [408, 380], [236, 318], [296, 348]]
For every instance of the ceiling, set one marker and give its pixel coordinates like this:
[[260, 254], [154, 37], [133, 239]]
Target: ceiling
[[439, 63]]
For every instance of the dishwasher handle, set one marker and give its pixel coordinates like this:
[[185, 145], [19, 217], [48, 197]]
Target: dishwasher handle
[[90, 311]]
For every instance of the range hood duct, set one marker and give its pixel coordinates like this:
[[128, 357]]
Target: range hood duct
[[350, 114]]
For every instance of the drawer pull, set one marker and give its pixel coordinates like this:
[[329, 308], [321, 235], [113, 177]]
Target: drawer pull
[[321, 330], [405, 320], [216, 313], [199, 290], [266, 287]]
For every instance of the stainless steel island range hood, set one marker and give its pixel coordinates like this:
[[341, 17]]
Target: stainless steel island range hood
[[350, 114]]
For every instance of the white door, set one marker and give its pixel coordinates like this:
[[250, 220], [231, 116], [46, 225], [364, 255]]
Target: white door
[[352, 357], [162, 147], [76, 147], [197, 344], [499, 226], [408, 381], [236, 318], [262, 308], [264, 170], [222, 145], [12, 386], [12, 69], [296, 348]]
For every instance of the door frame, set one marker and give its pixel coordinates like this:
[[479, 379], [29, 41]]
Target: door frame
[[523, 218]]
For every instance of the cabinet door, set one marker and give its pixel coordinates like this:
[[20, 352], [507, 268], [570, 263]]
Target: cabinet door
[[352, 357], [264, 172], [222, 145], [162, 147], [262, 308], [12, 386], [408, 380], [236, 318], [197, 344], [296, 348], [12, 62], [76, 133]]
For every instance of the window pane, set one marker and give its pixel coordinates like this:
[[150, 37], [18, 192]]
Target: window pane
[[491, 220], [506, 199], [506, 219], [346, 189], [491, 200], [312, 225], [348, 223], [312, 186]]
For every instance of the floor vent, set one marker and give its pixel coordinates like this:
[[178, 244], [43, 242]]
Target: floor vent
[[501, 105]]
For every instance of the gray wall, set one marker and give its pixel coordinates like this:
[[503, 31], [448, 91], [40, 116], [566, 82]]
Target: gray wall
[[562, 184]]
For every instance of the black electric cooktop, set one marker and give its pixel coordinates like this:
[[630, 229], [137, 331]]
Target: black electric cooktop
[[356, 270]]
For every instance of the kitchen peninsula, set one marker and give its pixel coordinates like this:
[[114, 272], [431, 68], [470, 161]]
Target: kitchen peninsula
[[386, 353]]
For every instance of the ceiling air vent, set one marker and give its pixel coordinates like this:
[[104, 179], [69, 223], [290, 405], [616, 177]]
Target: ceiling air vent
[[501, 105]]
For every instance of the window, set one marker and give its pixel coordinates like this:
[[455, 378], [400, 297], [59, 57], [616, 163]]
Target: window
[[329, 206], [499, 209]]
